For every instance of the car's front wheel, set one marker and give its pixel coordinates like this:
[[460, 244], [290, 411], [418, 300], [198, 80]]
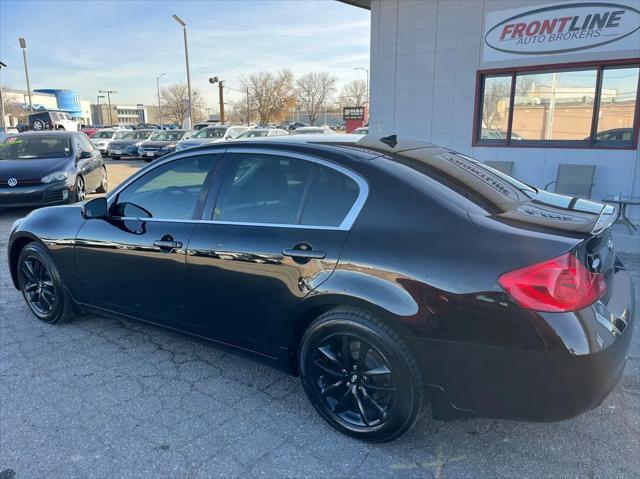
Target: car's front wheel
[[80, 189], [41, 285], [360, 375]]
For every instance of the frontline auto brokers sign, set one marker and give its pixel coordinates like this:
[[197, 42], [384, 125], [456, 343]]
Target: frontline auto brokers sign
[[563, 28]]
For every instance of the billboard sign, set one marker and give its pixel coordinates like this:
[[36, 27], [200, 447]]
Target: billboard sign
[[561, 28], [353, 113]]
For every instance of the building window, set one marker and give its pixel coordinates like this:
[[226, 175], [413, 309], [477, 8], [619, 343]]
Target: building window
[[593, 106]]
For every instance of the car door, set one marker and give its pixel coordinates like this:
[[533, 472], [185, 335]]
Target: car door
[[133, 261], [89, 166], [275, 233]]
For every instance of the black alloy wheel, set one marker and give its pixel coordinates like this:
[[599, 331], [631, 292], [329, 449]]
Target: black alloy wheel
[[355, 380], [41, 286], [360, 375]]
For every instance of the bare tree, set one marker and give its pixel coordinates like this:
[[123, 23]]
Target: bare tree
[[271, 95], [354, 93], [175, 103], [314, 91]]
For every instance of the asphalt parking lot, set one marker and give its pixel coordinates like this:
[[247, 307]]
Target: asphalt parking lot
[[106, 398]]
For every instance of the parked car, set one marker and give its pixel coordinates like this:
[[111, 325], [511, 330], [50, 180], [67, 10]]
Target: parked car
[[102, 138], [313, 130], [212, 134], [615, 134], [385, 272], [89, 130], [49, 120], [161, 143], [261, 133], [148, 126], [128, 144], [361, 131], [49, 167], [295, 124]]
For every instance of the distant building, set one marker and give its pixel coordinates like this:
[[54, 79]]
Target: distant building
[[123, 115], [17, 104]]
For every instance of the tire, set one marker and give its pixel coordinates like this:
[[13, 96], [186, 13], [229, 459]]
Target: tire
[[80, 189], [115, 157], [49, 301], [104, 183], [374, 398], [38, 125]]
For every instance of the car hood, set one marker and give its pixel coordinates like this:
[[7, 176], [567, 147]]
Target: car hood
[[158, 143], [31, 169], [123, 143]]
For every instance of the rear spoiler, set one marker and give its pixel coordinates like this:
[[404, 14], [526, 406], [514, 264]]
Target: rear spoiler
[[608, 216]]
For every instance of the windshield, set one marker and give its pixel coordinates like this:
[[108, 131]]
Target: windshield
[[173, 135], [121, 134], [136, 135], [210, 133], [103, 134], [253, 134], [31, 147]]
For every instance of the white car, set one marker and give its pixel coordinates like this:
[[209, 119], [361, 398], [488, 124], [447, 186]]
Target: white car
[[102, 138], [261, 133], [211, 134]]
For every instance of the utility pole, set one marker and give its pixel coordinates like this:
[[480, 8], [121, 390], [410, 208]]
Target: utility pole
[[221, 96], [100, 109], [186, 57], [248, 108], [109, 92], [159, 105], [23, 45], [4, 126]]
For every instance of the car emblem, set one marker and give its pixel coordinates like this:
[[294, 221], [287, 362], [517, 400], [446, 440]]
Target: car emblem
[[12, 182]]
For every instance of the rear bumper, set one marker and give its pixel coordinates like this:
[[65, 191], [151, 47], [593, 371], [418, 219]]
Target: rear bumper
[[583, 363]]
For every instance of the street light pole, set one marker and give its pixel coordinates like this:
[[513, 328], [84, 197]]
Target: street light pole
[[158, 89], [186, 57], [23, 45], [100, 109], [4, 126], [109, 92]]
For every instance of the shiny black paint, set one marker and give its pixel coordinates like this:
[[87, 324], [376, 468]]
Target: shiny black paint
[[419, 256]]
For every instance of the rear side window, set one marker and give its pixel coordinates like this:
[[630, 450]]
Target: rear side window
[[331, 196], [263, 189]]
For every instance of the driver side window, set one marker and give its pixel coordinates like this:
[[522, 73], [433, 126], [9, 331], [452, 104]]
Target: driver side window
[[170, 191]]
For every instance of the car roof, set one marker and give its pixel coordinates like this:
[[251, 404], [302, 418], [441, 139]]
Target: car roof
[[48, 133]]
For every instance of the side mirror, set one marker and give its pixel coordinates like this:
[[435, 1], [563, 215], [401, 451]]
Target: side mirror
[[95, 208], [84, 155]]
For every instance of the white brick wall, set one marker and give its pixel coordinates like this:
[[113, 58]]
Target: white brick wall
[[424, 59]]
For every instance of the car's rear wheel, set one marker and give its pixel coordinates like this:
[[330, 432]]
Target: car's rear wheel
[[80, 189], [360, 375], [38, 125], [42, 287], [104, 183]]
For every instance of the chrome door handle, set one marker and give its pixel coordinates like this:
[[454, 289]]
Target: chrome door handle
[[304, 253], [165, 245]]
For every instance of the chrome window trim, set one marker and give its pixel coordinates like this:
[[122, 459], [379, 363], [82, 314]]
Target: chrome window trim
[[345, 225]]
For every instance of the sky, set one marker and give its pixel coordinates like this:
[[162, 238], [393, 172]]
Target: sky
[[124, 45]]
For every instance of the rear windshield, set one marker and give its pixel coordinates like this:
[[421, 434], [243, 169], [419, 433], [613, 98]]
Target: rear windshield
[[479, 183], [104, 134], [32, 147], [210, 133]]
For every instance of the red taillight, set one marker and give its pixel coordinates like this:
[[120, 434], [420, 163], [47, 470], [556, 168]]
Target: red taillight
[[557, 285]]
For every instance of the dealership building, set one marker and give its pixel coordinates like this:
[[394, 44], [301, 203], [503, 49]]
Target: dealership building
[[547, 91]]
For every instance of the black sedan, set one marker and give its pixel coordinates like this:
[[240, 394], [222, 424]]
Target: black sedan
[[387, 274], [45, 168]]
